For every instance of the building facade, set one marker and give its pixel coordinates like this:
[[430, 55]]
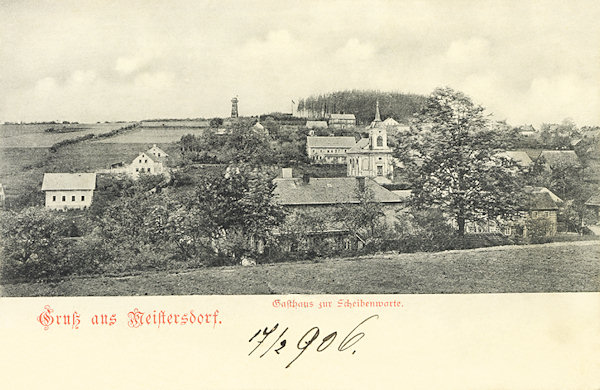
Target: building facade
[[152, 162], [69, 190], [342, 121], [328, 150], [371, 157]]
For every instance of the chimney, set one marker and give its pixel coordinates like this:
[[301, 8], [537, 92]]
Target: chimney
[[286, 173], [361, 183], [306, 178]]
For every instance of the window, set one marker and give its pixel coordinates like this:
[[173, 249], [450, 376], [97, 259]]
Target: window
[[159, 155], [546, 213], [380, 141], [64, 198], [72, 198], [534, 214], [140, 161], [137, 169], [82, 198], [54, 198], [146, 161], [379, 170]]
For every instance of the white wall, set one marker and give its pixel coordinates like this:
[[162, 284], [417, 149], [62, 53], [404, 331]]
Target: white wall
[[54, 199]]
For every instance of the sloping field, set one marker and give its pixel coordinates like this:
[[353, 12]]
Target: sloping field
[[22, 169], [557, 267], [176, 123], [157, 135], [35, 136]]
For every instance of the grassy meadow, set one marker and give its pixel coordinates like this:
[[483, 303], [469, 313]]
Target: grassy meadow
[[157, 135], [555, 267], [36, 136]]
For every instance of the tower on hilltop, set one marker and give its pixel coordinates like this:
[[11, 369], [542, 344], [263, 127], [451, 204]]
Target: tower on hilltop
[[234, 107]]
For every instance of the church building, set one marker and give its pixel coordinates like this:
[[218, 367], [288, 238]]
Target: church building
[[371, 157]]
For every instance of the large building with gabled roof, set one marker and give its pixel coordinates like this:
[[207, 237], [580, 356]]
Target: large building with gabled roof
[[328, 150], [69, 190]]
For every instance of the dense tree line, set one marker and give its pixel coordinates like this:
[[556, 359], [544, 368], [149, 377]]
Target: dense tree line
[[400, 106]]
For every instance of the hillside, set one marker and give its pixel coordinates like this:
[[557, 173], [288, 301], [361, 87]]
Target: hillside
[[399, 106], [556, 267]]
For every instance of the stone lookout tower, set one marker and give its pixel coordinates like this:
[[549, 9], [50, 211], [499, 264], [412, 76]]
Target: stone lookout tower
[[234, 107]]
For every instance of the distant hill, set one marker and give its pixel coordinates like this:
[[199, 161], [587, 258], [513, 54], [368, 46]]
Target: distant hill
[[398, 105]]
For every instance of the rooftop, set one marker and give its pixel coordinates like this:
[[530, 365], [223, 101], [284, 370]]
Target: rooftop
[[564, 157], [594, 200], [519, 156], [330, 142], [69, 181], [541, 198], [328, 191]]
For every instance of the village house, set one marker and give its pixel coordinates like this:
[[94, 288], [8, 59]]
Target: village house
[[593, 203], [371, 157], [323, 195], [152, 161], [328, 150], [342, 121], [541, 206], [528, 131], [69, 190]]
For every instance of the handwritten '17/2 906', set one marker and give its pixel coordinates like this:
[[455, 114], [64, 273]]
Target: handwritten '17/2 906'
[[312, 335]]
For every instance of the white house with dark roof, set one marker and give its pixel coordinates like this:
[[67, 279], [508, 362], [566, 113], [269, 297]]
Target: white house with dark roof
[[371, 157], [328, 150], [69, 190]]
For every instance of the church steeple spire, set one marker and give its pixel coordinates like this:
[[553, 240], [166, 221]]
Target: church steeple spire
[[377, 116]]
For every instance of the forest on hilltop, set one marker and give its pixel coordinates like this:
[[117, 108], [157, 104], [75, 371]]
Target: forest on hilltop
[[399, 106]]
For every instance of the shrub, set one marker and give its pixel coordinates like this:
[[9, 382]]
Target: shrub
[[34, 245]]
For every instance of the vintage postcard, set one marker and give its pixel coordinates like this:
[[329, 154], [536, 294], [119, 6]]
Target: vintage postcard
[[300, 194]]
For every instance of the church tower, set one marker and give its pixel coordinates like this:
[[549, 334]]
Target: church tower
[[377, 132]]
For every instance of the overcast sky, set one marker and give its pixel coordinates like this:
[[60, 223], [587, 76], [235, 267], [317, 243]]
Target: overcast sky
[[525, 61]]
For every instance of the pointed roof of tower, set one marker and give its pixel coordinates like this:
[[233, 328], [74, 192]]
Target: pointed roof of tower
[[377, 121]]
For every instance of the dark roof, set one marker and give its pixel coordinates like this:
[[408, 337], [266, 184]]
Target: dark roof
[[594, 200], [565, 157], [329, 142], [69, 181], [519, 156], [328, 191], [540, 198]]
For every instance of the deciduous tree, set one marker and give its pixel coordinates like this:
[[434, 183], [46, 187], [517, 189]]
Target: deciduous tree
[[450, 160]]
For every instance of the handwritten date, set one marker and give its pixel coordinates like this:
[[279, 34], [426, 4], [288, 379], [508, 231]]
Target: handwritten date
[[307, 340]]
